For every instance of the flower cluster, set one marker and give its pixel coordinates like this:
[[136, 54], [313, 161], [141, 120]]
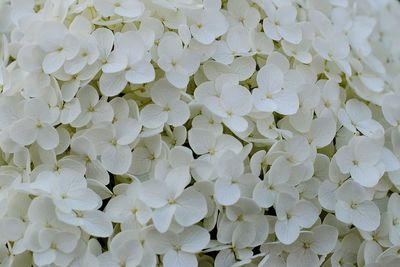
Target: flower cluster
[[185, 133]]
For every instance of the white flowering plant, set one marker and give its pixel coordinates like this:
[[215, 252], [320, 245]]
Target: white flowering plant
[[199, 133]]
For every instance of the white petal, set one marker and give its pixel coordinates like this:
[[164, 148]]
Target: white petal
[[117, 159], [69, 89], [44, 258], [291, 33], [357, 110], [201, 140], [306, 213], [112, 84], [262, 196], [390, 161], [226, 193], [343, 212], [153, 116], [141, 73], [344, 159], [244, 67], [286, 14], [236, 123], [179, 259], [191, 208], [179, 113], [287, 231], [127, 130], [24, 131], [66, 242], [238, 40], [75, 65], [323, 129], [177, 78], [30, 57], [163, 93], [366, 216], [303, 257], [162, 218], [285, 204], [105, 40], [325, 239], [365, 174], [271, 30], [116, 62], [375, 84], [154, 193], [244, 235], [97, 223], [287, 102], [194, 239], [83, 199], [130, 9], [52, 62], [326, 195], [12, 229], [270, 77], [390, 109], [47, 137], [236, 99]]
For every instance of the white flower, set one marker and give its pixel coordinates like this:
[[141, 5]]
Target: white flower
[[124, 8], [346, 252], [327, 189], [128, 62], [332, 44], [112, 143], [55, 247], [354, 206], [232, 181], [270, 95], [240, 12], [281, 23], [330, 97], [275, 181], [126, 207], [322, 131], [146, 154], [170, 200], [58, 44], [228, 100], [357, 116], [179, 249], [207, 24], [243, 225], [321, 240], [293, 215], [30, 58], [177, 62], [36, 125], [167, 107], [124, 250], [210, 146], [207, 120], [68, 190], [365, 160], [87, 55], [92, 108], [50, 240]]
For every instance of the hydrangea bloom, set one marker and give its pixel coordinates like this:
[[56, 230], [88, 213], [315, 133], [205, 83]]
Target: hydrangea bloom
[[185, 133]]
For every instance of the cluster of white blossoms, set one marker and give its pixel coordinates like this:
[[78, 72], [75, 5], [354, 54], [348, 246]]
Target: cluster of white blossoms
[[185, 133]]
